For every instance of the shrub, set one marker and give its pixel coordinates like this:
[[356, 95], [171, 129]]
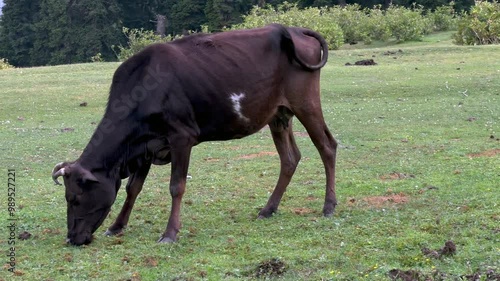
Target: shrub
[[138, 39], [4, 64], [352, 19], [481, 26], [376, 25], [443, 18], [407, 24], [97, 58], [290, 15]]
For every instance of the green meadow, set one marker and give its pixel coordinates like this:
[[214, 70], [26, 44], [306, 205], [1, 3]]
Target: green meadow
[[418, 165]]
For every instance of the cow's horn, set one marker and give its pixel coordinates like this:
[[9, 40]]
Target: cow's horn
[[58, 171]]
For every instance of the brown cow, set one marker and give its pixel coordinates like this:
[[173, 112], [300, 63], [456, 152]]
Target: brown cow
[[172, 96]]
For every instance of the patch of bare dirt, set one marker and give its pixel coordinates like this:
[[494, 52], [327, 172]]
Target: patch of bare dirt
[[380, 201], [260, 154], [211, 159], [150, 262], [68, 257], [54, 231], [487, 153], [301, 134], [239, 147], [303, 211]]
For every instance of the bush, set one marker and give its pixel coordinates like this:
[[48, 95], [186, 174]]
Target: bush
[[4, 64], [352, 19], [290, 15], [352, 23], [376, 25], [97, 58], [138, 39], [407, 24], [481, 26], [443, 18]]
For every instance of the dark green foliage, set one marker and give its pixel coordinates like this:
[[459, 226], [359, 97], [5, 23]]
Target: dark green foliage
[[137, 39], [99, 21], [42, 32], [58, 32], [187, 15], [224, 13], [17, 30], [51, 32]]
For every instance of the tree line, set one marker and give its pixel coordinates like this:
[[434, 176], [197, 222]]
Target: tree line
[[50, 32]]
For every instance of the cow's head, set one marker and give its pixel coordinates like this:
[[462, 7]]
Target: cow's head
[[89, 198]]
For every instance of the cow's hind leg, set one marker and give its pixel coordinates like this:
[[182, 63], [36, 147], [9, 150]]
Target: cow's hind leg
[[134, 187], [281, 130], [310, 115]]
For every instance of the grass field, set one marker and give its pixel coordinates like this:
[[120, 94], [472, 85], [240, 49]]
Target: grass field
[[419, 165]]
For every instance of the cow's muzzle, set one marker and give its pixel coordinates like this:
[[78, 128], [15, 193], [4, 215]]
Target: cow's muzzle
[[79, 239]]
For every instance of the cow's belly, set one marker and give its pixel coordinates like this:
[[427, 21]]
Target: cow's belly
[[231, 130]]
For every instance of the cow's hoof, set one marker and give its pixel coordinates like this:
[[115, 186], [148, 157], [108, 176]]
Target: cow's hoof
[[166, 240], [110, 232], [266, 213], [328, 212], [264, 216], [329, 215]]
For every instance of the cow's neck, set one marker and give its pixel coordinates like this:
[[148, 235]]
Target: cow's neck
[[113, 145]]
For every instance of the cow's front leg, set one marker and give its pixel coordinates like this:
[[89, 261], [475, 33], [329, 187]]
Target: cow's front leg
[[180, 163], [134, 187]]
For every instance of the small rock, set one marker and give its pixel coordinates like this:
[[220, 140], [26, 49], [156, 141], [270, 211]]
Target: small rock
[[83, 104]]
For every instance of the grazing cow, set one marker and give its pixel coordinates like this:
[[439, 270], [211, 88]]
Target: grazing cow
[[172, 96]]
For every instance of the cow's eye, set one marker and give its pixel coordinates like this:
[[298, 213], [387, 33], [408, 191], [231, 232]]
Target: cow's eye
[[72, 199]]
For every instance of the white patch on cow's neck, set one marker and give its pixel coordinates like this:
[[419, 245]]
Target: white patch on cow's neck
[[236, 100]]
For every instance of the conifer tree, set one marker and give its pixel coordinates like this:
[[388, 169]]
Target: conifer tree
[[17, 31]]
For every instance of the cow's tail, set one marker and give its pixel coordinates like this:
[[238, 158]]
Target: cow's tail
[[288, 44]]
